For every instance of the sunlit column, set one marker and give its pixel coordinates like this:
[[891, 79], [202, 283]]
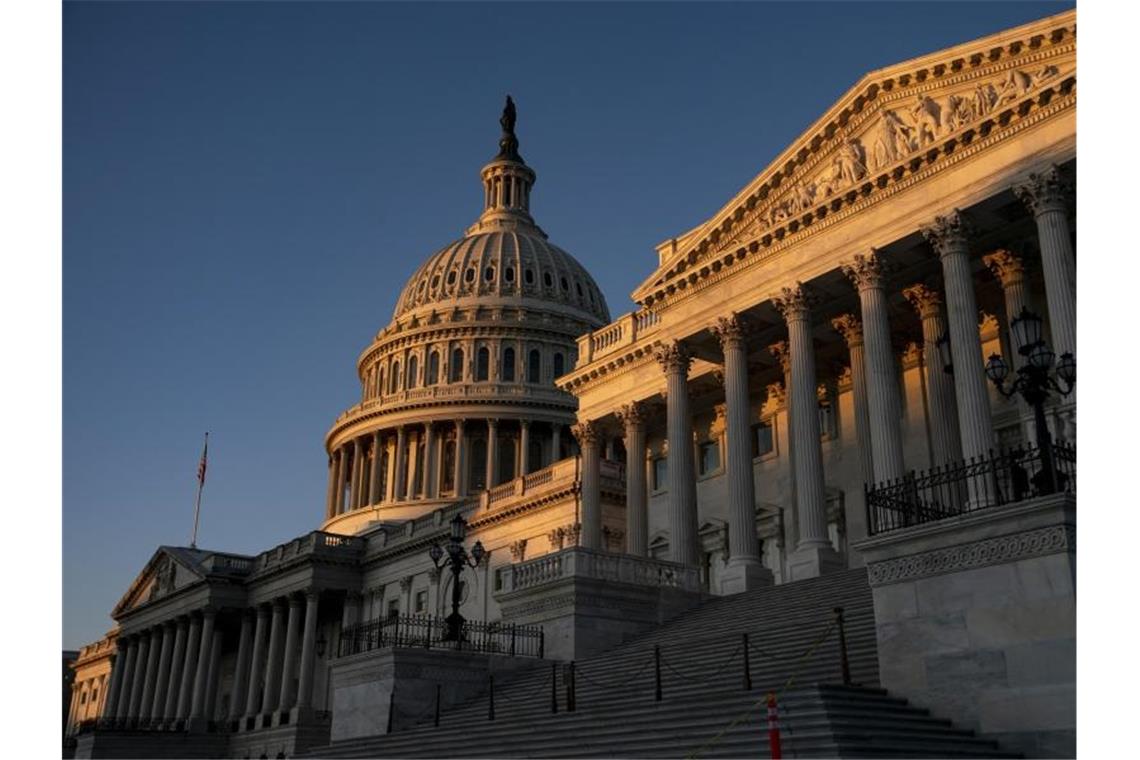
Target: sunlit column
[[460, 459], [202, 672], [1046, 195], [782, 352], [944, 436], [524, 448], [1008, 268], [358, 468], [257, 662], [849, 326], [744, 569], [431, 476], [401, 463], [586, 432], [329, 510], [177, 661], [632, 417], [682, 498], [883, 404], [241, 667], [949, 236], [555, 442], [814, 555], [492, 451], [338, 494], [374, 495], [308, 649], [118, 663]]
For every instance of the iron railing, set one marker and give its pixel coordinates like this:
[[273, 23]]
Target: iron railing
[[968, 486], [430, 632]]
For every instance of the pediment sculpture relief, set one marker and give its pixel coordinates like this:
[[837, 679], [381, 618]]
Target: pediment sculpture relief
[[898, 133]]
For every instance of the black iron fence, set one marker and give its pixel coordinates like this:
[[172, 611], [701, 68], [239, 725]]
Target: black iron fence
[[430, 632], [968, 486]]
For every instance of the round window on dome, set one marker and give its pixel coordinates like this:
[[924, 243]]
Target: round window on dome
[[509, 274], [470, 276], [529, 276], [565, 285], [489, 274], [548, 279]]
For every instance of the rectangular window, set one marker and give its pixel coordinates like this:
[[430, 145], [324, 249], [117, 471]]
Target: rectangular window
[[421, 602], [499, 579], [709, 457], [393, 608], [762, 441], [660, 473]]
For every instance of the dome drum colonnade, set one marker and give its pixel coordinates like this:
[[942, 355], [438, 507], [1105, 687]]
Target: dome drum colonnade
[[458, 390]]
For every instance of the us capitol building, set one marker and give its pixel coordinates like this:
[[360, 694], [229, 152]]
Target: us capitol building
[[804, 394]]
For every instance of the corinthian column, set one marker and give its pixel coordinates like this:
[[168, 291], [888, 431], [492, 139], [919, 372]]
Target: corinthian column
[[944, 435], [949, 236], [682, 499], [138, 679], [1010, 272], [159, 642], [524, 448], [885, 410], [849, 326], [202, 673], [329, 513], [308, 650], [374, 495], [241, 667], [357, 474], [632, 417], [401, 463], [431, 477], [174, 682], [1045, 195], [460, 460], [274, 659], [189, 668], [257, 663], [814, 554], [118, 664], [744, 569], [492, 451], [289, 655], [123, 706], [587, 434]]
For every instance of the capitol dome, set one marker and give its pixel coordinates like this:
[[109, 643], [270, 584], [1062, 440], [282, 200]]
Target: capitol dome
[[457, 390]]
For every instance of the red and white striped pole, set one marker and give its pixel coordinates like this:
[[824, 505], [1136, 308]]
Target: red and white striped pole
[[773, 728]]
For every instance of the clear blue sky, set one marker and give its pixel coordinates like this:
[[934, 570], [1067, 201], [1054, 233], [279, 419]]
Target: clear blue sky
[[247, 186]]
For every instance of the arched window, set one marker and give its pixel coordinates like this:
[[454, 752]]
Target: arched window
[[559, 365], [534, 366], [508, 365], [413, 370], [432, 369], [483, 365], [455, 374], [395, 379]]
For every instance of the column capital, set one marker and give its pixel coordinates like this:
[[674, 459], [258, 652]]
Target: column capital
[[296, 600], [632, 415], [850, 327], [673, 357], [586, 433], [925, 300], [1045, 191], [1006, 266], [492, 423], [312, 592], [524, 424], [782, 351], [950, 233], [794, 303], [730, 331], [866, 271]]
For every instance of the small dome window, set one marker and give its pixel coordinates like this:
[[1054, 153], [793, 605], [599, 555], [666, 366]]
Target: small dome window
[[421, 286], [489, 274], [529, 276], [580, 293], [565, 285], [470, 276], [435, 282], [509, 274], [451, 277], [548, 279]]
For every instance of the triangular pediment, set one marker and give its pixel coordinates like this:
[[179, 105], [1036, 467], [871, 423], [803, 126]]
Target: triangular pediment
[[169, 570], [883, 127]]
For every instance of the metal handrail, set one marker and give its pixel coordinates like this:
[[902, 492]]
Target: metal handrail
[[429, 632]]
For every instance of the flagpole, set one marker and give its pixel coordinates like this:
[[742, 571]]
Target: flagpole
[[198, 498]]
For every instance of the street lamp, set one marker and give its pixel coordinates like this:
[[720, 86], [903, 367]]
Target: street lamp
[[1034, 383], [457, 559]]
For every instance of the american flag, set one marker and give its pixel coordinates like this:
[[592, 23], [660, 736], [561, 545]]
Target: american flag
[[202, 463]]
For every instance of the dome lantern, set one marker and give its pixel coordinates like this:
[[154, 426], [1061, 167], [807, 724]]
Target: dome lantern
[[507, 181]]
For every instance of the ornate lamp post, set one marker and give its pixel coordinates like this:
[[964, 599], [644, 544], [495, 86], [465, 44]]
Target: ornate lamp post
[[457, 559], [1034, 383]]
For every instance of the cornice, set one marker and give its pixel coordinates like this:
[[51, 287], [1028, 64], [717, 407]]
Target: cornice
[[1026, 45], [614, 365]]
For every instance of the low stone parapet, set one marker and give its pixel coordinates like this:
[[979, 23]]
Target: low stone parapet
[[588, 601]]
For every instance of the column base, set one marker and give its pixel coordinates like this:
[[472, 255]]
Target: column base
[[745, 575], [197, 725], [813, 561]]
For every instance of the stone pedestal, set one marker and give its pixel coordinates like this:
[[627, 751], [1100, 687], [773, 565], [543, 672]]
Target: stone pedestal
[[813, 561], [976, 620], [739, 577], [588, 602]]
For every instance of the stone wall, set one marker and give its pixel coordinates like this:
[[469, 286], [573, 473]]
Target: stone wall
[[976, 620]]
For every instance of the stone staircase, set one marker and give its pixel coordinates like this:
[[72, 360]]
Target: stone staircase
[[705, 710]]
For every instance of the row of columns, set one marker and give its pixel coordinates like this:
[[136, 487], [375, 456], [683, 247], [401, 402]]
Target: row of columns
[[268, 660], [355, 468], [166, 673], [88, 698], [961, 424]]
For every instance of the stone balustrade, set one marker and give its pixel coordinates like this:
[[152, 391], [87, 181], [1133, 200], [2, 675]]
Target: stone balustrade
[[472, 391], [316, 543], [623, 331], [579, 563]]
